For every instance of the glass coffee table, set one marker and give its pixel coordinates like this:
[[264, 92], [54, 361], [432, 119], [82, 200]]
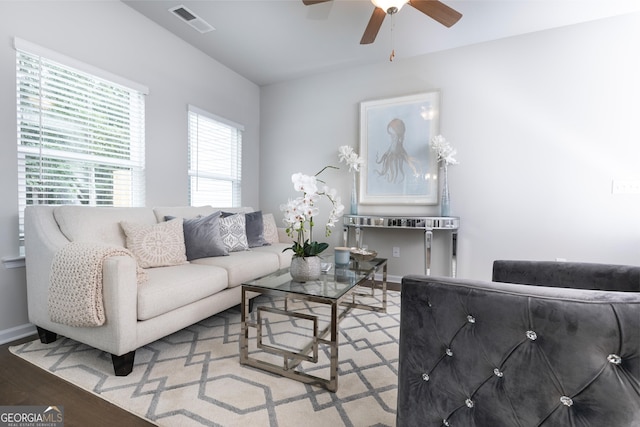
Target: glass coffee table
[[294, 329]]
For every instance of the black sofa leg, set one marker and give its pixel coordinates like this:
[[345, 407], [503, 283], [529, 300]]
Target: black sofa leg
[[46, 337], [123, 365]]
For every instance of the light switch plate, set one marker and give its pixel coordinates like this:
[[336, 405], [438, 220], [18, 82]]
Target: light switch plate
[[622, 186]]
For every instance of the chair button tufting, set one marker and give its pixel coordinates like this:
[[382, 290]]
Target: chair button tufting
[[469, 403], [615, 359], [532, 335], [471, 319], [498, 373], [566, 400], [449, 352], [445, 423], [425, 377]]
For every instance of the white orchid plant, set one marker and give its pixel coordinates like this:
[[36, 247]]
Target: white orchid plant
[[299, 213], [443, 150], [347, 155]]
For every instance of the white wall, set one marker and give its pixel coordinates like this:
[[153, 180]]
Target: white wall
[[114, 37], [542, 123]]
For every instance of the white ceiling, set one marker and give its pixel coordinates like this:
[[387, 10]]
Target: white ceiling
[[269, 41]]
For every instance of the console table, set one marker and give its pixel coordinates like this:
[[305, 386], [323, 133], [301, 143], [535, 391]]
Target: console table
[[426, 224]]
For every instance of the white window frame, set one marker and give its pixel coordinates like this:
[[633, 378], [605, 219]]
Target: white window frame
[[103, 161], [215, 159]]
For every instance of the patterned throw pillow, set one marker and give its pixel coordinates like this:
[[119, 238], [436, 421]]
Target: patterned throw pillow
[[270, 228], [233, 232], [157, 245]]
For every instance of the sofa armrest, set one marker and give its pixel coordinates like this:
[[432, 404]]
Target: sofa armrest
[[120, 295], [42, 240], [500, 354]]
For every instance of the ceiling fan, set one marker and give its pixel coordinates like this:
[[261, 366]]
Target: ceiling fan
[[433, 8]]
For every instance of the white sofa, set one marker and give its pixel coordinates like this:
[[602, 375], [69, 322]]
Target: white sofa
[[135, 314]]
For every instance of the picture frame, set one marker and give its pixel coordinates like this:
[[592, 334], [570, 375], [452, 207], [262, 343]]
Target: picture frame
[[399, 166]]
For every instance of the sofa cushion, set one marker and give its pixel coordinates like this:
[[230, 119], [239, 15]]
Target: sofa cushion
[[156, 245], [202, 236], [231, 211], [173, 287], [245, 265], [99, 224], [182, 212], [284, 258], [233, 232], [254, 227], [270, 228]]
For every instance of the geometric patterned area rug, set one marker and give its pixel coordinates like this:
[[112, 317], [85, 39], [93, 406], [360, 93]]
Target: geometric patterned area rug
[[193, 377]]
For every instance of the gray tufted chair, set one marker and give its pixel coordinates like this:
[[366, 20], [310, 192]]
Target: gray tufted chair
[[556, 344]]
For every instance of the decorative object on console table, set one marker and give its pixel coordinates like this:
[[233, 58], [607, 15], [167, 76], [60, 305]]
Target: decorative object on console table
[[351, 158], [445, 198], [354, 196], [298, 214], [445, 157]]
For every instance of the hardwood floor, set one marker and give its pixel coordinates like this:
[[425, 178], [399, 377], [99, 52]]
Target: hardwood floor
[[21, 383]]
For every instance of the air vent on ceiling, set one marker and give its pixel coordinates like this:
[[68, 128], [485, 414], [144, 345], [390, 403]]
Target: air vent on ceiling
[[191, 18]]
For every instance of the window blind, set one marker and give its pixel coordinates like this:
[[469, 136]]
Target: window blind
[[215, 160], [80, 137]]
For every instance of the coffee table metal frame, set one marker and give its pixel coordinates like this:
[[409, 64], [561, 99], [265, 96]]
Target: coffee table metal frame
[[364, 274]]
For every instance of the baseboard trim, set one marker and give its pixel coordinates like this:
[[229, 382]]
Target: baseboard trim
[[13, 262], [15, 333], [390, 278]]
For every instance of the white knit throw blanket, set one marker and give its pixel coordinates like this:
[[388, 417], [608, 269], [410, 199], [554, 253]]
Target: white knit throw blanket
[[75, 289]]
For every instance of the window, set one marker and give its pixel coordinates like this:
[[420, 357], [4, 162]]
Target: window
[[215, 160], [80, 135]]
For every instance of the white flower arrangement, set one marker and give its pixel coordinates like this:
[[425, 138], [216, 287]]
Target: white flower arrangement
[[444, 150], [299, 213], [350, 157]]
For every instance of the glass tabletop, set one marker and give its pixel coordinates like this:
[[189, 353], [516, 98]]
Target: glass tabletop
[[332, 284]]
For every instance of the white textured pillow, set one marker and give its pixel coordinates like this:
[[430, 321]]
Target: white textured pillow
[[157, 245], [233, 232], [270, 228]]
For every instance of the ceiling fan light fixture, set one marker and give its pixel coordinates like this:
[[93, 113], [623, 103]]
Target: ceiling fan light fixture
[[389, 6]]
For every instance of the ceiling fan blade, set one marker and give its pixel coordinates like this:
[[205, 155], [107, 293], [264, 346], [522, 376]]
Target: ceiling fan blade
[[438, 11], [310, 2], [373, 26]]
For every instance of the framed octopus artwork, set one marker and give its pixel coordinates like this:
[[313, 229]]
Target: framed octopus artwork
[[399, 168]]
